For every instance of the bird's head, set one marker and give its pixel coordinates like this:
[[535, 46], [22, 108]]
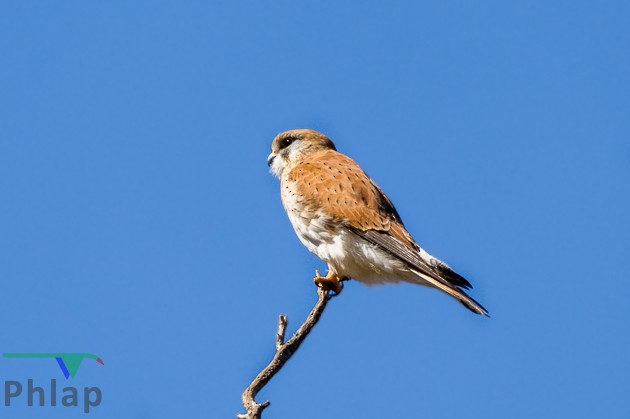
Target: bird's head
[[293, 145]]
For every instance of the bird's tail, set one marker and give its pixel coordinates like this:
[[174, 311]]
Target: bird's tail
[[454, 292]]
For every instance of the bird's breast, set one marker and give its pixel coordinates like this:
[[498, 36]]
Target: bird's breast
[[333, 242], [311, 225]]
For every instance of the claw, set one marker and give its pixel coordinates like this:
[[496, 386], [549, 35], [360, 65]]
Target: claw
[[330, 282]]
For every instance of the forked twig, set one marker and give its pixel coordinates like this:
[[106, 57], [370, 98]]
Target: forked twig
[[284, 351]]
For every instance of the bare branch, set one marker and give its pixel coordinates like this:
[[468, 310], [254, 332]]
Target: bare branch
[[282, 326], [284, 351]]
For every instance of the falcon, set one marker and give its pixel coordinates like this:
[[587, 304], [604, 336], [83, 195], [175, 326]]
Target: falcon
[[345, 219]]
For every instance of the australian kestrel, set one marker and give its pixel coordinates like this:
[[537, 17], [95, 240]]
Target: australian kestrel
[[341, 216]]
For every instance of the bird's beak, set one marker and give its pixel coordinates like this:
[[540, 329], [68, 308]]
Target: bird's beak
[[270, 159]]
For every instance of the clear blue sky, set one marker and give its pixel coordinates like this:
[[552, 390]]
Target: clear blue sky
[[139, 221]]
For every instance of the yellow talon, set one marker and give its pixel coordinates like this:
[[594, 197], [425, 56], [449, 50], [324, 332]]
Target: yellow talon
[[331, 281]]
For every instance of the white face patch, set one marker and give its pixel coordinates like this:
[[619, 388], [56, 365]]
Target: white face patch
[[294, 150], [277, 166], [283, 157]]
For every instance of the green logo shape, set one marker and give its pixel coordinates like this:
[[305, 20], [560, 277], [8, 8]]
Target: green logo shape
[[68, 362]]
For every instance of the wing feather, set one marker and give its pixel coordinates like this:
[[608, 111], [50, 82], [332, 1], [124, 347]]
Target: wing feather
[[337, 185]]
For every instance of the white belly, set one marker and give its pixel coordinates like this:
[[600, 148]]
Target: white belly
[[346, 254]]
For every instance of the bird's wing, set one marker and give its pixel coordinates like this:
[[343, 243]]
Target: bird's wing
[[336, 185]]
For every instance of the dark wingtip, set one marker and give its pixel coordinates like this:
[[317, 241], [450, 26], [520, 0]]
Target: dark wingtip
[[455, 278]]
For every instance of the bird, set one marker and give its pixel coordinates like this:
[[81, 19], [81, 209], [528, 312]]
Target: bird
[[341, 215]]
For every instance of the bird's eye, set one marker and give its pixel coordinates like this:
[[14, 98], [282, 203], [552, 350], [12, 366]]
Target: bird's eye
[[286, 142]]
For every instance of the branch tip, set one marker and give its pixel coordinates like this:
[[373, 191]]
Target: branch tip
[[282, 327]]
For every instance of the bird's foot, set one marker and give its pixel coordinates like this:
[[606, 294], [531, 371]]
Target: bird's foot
[[331, 281]]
